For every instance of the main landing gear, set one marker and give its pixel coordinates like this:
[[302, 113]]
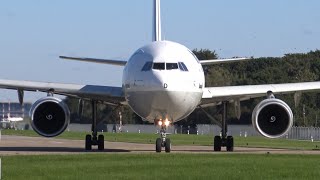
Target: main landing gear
[[163, 141], [223, 140], [94, 139]]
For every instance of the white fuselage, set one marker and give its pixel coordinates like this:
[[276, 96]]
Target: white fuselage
[[163, 80], [12, 119]]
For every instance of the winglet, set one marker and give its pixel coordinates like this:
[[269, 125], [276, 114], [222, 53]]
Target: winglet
[[156, 35]]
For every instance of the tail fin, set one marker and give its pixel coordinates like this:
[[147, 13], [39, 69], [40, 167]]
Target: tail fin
[[156, 21]]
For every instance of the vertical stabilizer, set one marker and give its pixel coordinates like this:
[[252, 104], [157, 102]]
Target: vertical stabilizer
[[156, 21]]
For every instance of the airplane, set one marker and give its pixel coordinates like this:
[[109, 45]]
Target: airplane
[[163, 82], [10, 119]]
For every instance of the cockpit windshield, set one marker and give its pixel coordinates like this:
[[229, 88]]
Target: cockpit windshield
[[164, 66], [159, 66], [147, 66], [171, 66], [182, 66]]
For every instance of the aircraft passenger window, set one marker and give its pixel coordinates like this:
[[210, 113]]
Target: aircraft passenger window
[[182, 66], [159, 66], [171, 66], [147, 66]]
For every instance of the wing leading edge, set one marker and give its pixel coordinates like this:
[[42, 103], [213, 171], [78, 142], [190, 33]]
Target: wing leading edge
[[93, 60], [240, 93], [222, 61], [108, 94]]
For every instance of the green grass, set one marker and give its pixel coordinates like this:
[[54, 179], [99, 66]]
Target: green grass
[[183, 139], [166, 166], [161, 166]]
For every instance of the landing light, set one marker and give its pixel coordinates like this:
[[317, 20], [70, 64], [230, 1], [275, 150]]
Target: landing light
[[163, 122], [166, 122]]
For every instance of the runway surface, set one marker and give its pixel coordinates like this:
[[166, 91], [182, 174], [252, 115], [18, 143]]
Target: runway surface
[[21, 145]]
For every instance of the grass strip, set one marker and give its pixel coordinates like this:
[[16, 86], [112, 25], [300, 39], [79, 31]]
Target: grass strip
[[161, 166]]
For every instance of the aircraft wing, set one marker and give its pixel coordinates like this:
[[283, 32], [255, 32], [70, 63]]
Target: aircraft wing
[[215, 95], [109, 94], [94, 60], [221, 61]]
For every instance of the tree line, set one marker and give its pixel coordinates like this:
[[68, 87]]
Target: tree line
[[297, 67]]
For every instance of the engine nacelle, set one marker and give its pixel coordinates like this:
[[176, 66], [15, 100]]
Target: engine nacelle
[[272, 118], [50, 116]]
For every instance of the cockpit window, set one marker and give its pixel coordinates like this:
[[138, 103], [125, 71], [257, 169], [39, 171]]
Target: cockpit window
[[159, 66], [164, 66], [147, 66], [171, 66], [182, 66]]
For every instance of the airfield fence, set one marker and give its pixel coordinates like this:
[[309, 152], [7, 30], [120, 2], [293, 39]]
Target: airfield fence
[[300, 133], [304, 133]]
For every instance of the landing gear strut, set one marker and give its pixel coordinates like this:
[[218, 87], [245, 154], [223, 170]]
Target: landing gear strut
[[163, 141], [94, 139], [223, 140]]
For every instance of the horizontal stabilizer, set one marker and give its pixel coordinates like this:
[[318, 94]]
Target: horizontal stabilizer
[[221, 61], [93, 60]]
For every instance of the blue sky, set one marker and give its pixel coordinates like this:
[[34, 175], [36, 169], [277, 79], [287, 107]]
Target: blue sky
[[34, 33]]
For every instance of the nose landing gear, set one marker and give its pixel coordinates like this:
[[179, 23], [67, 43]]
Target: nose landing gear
[[163, 141]]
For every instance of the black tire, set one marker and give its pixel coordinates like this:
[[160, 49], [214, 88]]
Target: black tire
[[217, 143], [167, 145], [100, 142], [158, 145], [230, 143], [88, 142]]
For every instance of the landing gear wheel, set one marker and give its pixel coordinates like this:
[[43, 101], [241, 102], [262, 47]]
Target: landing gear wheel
[[158, 145], [167, 145], [217, 143], [88, 142], [229, 143], [101, 142]]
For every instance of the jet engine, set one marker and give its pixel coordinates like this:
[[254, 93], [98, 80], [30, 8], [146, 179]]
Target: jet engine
[[272, 118], [50, 116]]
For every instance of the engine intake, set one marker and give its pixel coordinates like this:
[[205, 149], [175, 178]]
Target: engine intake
[[50, 116], [272, 118]]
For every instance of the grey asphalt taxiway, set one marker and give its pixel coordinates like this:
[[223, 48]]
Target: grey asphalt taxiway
[[21, 145]]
